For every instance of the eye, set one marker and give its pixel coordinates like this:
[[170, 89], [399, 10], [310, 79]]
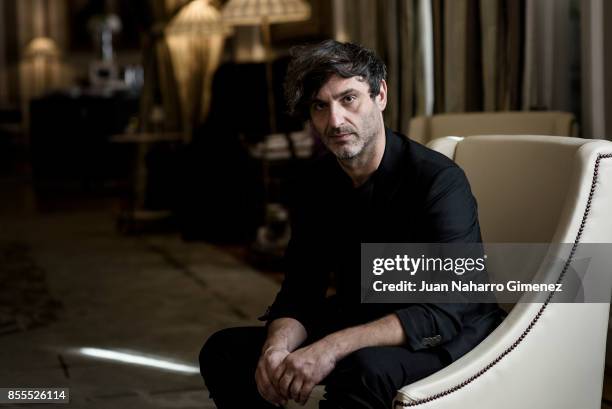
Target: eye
[[318, 106], [349, 98]]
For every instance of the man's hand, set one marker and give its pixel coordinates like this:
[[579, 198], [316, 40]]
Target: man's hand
[[284, 336], [303, 369], [268, 363], [306, 367]]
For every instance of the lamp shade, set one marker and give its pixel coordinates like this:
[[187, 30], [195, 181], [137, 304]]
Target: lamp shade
[[41, 70], [198, 17], [255, 12], [42, 47]]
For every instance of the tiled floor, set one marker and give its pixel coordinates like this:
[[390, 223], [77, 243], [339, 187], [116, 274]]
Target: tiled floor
[[152, 296]]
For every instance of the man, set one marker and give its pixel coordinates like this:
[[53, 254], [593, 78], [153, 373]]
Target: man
[[373, 186]]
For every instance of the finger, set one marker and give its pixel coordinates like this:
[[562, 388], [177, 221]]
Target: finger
[[274, 380], [261, 378], [295, 388], [274, 398], [277, 374], [266, 389], [261, 382], [305, 392], [272, 377], [284, 384]]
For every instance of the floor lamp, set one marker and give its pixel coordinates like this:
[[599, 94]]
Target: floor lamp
[[194, 37], [264, 13], [41, 70]]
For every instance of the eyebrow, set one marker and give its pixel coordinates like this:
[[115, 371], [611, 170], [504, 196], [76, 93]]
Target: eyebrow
[[344, 93], [339, 95]]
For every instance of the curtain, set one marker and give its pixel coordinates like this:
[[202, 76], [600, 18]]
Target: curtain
[[35, 39], [389, 28], [442, 55], [552, 69], [595, 71], [160, 91]]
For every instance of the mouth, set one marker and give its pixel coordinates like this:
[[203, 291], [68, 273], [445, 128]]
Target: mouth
[[341, 136]]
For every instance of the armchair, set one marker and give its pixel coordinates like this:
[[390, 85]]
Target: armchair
[[544, 355], [424, 129]]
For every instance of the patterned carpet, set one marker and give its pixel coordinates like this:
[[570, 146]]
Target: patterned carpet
[[25, 301]]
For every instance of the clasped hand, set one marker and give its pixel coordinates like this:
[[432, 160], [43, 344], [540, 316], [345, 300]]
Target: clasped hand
[[282, 375]]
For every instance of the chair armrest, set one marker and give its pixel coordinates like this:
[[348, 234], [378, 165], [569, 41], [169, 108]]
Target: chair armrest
[[530, 360], [445, 146]]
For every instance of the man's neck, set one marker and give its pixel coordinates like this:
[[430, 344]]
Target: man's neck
[[361, 167]]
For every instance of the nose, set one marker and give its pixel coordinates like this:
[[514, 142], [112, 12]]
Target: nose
[[336, 116]]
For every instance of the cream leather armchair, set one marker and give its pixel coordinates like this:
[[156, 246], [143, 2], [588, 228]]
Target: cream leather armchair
[[547, 356], [424, 129], [544, 355]]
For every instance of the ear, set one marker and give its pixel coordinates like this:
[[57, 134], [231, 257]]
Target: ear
[[381, 98]]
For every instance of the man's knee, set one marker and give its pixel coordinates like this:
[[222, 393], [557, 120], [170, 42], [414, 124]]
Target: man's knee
[[231, 349], [368, 361], [227, 363], [213, 352], [359, 371], [375, 374], [362, 379]]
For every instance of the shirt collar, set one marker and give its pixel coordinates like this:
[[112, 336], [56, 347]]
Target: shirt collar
[[387, 176]]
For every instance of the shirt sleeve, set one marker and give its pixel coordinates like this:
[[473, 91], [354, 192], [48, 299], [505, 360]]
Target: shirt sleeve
[[452, 217], [302, 293]]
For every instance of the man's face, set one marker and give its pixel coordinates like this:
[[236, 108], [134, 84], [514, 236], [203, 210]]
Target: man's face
[[345, 116]]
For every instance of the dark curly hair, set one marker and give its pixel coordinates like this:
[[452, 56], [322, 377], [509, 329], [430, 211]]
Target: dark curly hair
[[312, 65]]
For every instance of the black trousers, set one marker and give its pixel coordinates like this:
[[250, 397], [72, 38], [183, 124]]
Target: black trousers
[[367, 378]]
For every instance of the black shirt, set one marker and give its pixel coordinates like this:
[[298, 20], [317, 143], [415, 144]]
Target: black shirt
[[415, 196]]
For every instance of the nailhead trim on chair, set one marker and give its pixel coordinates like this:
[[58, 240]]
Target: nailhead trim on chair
[[537, 316]]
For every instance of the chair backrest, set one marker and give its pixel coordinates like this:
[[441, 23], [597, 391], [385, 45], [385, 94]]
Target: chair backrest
[[536, 189], [423, 129], [526, 185]]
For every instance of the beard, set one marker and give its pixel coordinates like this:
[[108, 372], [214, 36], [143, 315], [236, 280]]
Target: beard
[[360, 140], [353, 150], [347, 150]]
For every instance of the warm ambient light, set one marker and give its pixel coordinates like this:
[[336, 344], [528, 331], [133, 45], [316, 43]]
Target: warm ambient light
[[42, 47], [198, 18], [135, 359], [253, 12]]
